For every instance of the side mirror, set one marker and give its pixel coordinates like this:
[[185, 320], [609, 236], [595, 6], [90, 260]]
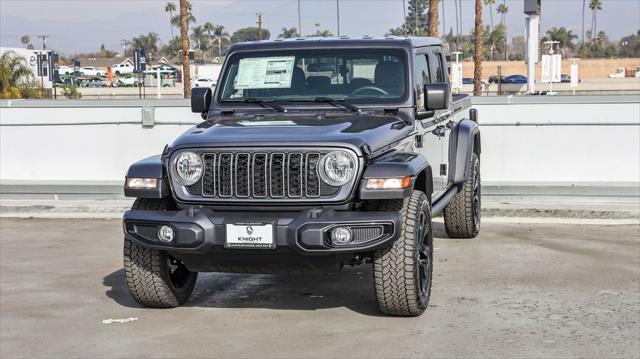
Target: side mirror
[[200, 99], [436, 97]]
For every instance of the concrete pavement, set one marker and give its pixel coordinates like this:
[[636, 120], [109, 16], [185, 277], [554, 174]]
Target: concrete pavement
[[518, 290]]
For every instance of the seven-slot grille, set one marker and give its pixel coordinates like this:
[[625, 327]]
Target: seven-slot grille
[[260, 175]]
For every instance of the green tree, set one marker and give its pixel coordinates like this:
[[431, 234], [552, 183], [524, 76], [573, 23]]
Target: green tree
[[630, 45], [200, 39], [563, 36], [16, 78], [502, 9], [249, 34], [107, 53], [398, 31], [417, 18], [172, 48], [287, 33], [148, 42], [220, 36], [26, 41], [175, 21], [490, 4], [170, 8], [594, 5]]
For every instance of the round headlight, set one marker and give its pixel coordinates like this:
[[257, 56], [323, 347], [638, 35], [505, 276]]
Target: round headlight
[[337, 168], [188, 168]]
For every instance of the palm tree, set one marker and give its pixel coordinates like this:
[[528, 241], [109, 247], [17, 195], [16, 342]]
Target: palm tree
[[209, 27], [287, 33], [433, 18], [502, 10], [170, 8], [184, 35], [220, 35], [594, 5], [175, 21], [147, 42], [563, 36], [490, 3], [199, 37], [26, 41], [477, 58], [492, 45], [584, 3], [16, 78]]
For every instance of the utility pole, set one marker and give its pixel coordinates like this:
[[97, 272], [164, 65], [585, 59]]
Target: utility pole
[[124, 44], [184, 34], [338, 14], [299, 20], [259, 25], [532, 31], [44, 41]]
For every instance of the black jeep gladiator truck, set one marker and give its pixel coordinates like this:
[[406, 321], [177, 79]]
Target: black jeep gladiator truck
[[313, 154]]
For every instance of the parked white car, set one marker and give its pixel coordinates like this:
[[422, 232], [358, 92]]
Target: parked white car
[[127, 81], [121, 69], [618, 74], [203, 82], [65, 70], [91, 71]]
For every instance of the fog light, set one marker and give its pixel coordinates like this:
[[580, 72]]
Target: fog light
[[341, 236], [165, 234]]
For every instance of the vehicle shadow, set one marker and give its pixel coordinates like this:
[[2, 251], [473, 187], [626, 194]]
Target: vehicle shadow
[[352, 288]]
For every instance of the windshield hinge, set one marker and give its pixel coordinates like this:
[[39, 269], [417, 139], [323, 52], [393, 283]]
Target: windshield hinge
[[227, 111]]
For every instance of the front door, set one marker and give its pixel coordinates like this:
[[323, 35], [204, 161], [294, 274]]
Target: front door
[[428, 130]]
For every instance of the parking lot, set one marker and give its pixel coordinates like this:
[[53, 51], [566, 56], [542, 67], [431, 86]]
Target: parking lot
[[534, 290]]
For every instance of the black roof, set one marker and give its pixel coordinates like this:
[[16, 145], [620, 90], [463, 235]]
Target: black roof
[[343, 41]]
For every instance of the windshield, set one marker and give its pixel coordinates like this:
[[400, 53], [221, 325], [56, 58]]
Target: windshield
[[353, 75]]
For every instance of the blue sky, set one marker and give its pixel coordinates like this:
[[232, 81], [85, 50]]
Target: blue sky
[[82, 25]]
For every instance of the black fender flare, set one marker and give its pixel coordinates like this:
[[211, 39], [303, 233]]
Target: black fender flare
[[463, 142], [150, 167], [393, 165]]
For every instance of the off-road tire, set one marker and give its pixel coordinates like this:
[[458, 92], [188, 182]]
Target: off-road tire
[[462, 214], [148, 271], [396, 269]]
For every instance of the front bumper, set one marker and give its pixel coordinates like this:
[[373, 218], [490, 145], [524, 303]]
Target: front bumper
[[299, 236]]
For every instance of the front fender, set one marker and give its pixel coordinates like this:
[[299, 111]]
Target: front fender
[[393, 165], [151, 167], [461, 147]]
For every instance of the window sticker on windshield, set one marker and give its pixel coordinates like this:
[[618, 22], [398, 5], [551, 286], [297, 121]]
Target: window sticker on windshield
[[265, 72]]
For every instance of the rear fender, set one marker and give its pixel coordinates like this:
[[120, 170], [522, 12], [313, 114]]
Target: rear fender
[[462, 145]]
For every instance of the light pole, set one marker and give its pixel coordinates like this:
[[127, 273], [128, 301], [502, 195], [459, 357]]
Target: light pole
[[338, 15], [299, 20], [532, 31]]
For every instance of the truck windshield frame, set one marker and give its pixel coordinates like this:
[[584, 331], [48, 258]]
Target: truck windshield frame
[[381, 76]]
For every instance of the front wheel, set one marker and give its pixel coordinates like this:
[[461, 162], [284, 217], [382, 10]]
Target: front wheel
[[155, 278], [402, 272]]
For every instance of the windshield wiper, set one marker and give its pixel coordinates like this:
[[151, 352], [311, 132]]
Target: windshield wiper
[[264, 103], [331, 101]]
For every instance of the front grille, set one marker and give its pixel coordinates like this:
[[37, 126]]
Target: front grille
[[259, 175]]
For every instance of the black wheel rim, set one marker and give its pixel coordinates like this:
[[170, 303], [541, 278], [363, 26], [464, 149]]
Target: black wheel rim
[[425, 254], [178, 273], [476, 197]]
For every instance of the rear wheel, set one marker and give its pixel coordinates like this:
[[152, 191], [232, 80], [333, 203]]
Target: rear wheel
[[403, 271], [462, 214], [154, 277]]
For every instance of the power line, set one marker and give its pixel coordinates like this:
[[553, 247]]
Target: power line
[[44, 40]]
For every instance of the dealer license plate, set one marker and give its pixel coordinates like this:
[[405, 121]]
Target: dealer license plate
[[250, 235]]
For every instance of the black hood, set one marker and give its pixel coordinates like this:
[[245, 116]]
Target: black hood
[[295, 129]]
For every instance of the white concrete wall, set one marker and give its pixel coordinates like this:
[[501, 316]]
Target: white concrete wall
[[542, 141]]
